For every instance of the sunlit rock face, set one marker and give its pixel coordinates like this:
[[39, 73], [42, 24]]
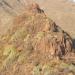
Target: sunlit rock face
[[72, 1], [31, 41]]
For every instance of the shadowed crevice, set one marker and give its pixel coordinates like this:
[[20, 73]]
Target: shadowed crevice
[[73, 43]]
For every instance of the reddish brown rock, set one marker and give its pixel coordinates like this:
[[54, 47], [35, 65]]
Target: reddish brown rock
[[36, 39]]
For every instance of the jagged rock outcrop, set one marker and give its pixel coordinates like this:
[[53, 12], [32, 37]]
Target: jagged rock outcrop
[[32, 39], [45, 35]]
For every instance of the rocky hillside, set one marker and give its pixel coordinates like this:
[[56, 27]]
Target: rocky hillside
[[62, 12], [32, 44]]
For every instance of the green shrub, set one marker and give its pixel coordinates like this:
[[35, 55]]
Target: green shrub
[[10, 54], [37, 70]]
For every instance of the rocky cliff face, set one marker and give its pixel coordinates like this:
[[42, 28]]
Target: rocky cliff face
[[31, 43]]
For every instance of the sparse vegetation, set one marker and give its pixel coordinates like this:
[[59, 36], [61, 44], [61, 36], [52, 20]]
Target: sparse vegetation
[[19, 34], [35, 47], [9, 53], [37, 70]]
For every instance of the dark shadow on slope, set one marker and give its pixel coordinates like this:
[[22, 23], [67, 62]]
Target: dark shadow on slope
[[73, 40]]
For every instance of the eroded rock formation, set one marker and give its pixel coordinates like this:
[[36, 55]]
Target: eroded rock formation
[[31, 40]]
